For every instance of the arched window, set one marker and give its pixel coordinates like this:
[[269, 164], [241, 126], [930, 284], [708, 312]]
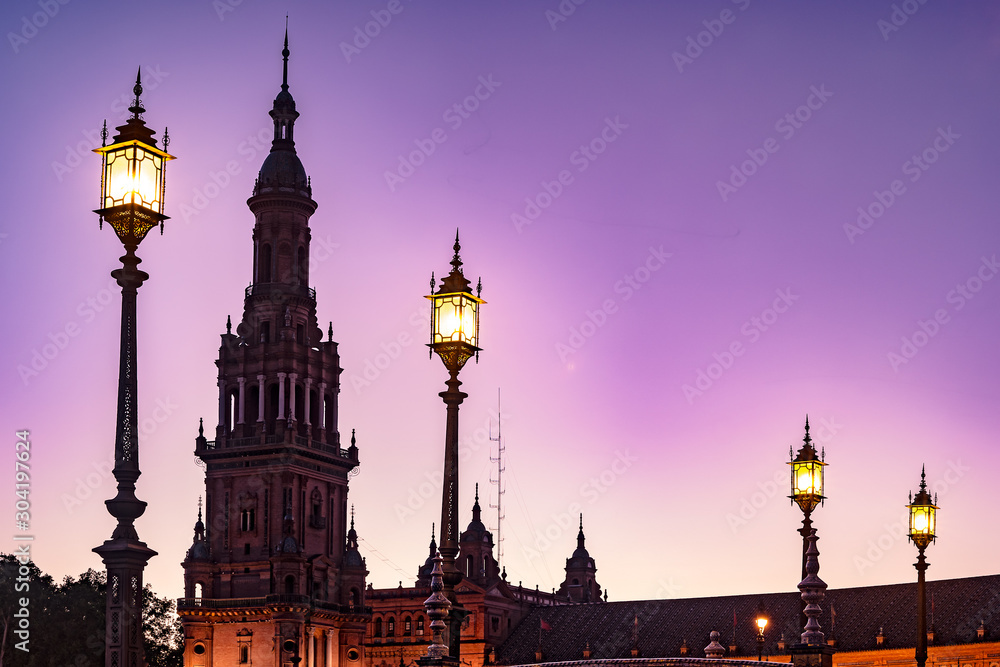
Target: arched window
[[420, 625], [407, 627], [390, 627], [468, 566], [378, 627], [289, 585], [248, 520], [355, 598], [244, 654], [198, 590]]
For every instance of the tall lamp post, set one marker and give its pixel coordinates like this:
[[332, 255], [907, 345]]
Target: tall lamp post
[[132, 189], [923, 524], [807, 491], [455, 338], [761, 622]]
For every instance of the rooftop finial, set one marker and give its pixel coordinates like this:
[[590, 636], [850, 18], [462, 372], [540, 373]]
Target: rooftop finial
[[923, 477], [352, 517], [201, 427], [477, 493], [284, 56], [199, 508], [229, 324], [432, 531], [329, 332], [807, 438], [136, 107]]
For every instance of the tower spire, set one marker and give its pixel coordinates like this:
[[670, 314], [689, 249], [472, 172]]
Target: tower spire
[[284, 56]]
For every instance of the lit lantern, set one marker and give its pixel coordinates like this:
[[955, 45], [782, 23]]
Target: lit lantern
[[923, 516], [807, 476], [761, 624], [455, 316], [132, 178]]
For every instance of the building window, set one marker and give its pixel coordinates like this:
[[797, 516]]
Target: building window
[[407, 628], [378, 627], [290, 585], [265, 332], [244, 655], [420, 625], [495, 623], [390, 627], [248, 520]]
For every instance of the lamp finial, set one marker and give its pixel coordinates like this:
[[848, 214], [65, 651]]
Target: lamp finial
[[136, 107]]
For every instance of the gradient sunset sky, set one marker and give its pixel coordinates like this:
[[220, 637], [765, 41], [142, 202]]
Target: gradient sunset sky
[[746, 212]]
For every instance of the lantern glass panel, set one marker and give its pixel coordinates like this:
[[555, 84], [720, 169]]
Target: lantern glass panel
[[133, 176], [761, 623], [807, 478], [455, 319], [922, 520]]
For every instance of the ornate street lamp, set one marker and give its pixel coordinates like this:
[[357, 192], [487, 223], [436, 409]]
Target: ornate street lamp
[[807, 489], [923, 524], [761, 622], [132, 189], [455, 338]]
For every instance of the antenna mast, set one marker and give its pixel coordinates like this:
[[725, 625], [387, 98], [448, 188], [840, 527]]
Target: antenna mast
[[498, 482]]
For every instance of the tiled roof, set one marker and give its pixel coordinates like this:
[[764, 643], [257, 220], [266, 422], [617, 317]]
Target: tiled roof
[[958, 607]]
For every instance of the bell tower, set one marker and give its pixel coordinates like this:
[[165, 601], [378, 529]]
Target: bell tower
[[273, 572]]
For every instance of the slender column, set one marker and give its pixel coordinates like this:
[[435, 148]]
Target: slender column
[[332, 648], [305, 417], [222, 402], [242, 399], [124, 555], [260, 398], [921, 652], [312, 647], [292, 377], [281, 395], [322, 405]]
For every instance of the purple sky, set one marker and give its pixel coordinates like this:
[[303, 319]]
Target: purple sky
[[653, 262]]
